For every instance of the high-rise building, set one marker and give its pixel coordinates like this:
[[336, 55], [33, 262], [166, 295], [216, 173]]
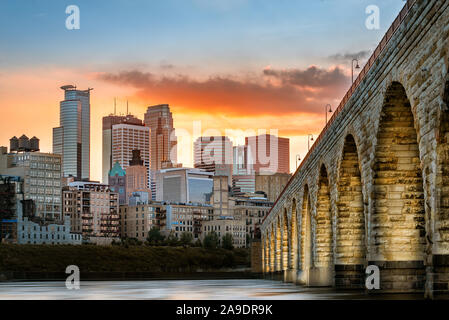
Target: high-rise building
[[117, 182], [269, 153], [72, 138], [137, 177], [93, 210], [163, 139], [242, 184], [42, 175], [19, 223], [129, 137], [241, 161], [184, 185], [220, 196], [214, 154], [243, 178], [108, 122]]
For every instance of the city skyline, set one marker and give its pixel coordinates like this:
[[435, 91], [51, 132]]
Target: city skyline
[[224, 150], [222, 87]]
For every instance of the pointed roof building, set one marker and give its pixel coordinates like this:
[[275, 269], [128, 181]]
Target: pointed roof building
[[117, 170]]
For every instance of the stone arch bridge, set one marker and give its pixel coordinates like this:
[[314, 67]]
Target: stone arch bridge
[[374, 188]]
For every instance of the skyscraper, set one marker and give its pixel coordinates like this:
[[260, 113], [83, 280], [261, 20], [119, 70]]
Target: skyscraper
[[243, 178], [184, 185], [117, 182], [129, 137], [108, 122], [214, 154], [137, 178], [270, 154], [41, 173], [241, 161], [72, 138], [163, 140]]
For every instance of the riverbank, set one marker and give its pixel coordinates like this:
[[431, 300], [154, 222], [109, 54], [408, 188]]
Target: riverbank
[[41, 262]]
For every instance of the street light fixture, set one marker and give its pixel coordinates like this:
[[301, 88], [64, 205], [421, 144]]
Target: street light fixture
[[352, 69], [328, 109], [309, 138]]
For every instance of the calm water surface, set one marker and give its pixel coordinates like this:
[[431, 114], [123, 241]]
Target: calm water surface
[[173, 289]]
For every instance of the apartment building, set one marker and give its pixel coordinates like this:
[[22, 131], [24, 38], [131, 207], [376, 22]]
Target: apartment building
[[41, 173], [93, 211], [175, 219], [226, 225]]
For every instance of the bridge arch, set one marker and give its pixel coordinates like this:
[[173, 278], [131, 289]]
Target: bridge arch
[[285, 242], [306, 232], [264, 253], [272, 250], [293, 235], [350, 249], [398, 218], [323, 222], [278, 236]]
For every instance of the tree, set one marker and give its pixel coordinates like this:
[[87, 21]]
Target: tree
[[155, 237], [126, 242], [172, 240], [211, 240], [186, 239], [198, 243], [227, 242]]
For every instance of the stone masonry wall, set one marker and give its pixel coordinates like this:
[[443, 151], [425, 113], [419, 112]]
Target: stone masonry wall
[[392, 206]]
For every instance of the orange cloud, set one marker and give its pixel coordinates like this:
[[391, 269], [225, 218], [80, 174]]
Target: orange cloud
[[30, 99], [276, 92]]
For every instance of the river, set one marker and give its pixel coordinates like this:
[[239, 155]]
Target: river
[[177, 290]]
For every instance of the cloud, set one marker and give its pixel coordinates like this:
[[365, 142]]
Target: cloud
[[345, 57], [311, 77], [167, 66], [273, 92]]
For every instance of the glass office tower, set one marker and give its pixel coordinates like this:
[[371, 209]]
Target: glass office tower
[[72, 138]]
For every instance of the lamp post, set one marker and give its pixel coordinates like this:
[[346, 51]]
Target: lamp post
[[352, 69], [309, 138], [298, 158], [328, 109]]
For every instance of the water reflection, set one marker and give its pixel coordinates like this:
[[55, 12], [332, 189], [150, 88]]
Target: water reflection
[[175, 289]]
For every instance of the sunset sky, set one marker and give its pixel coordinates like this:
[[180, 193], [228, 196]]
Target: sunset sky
[[231, 64]]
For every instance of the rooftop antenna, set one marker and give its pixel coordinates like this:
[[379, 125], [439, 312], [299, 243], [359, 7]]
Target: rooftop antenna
[[127, 107], [115, 107]]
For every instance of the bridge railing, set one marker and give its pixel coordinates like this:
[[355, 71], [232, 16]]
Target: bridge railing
[[379, 49]]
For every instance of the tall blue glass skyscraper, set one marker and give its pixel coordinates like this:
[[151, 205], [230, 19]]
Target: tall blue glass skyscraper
[[72, 138]]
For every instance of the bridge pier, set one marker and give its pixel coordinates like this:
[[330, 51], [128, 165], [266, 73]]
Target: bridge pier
[[437, 282], [315, 277], [321, 277], [275, 275], [350, 276], [400, 276], [301, 277], [290, 275]]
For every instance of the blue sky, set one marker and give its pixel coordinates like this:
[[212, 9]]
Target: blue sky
[[237, 64], [225, 35]]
